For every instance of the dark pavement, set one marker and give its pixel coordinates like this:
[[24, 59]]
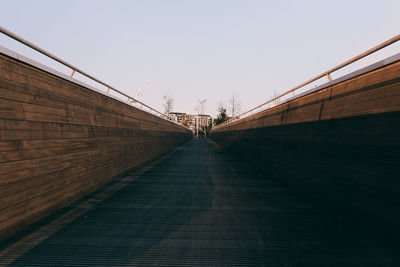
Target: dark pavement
[[199, 205]]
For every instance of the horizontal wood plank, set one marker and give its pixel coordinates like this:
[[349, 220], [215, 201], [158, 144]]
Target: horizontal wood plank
[[60, 141]]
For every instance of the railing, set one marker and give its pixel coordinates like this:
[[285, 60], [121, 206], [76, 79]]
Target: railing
[[326, 73], [130, 100]]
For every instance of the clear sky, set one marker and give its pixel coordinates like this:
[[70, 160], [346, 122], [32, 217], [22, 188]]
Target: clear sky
[[205, 49]]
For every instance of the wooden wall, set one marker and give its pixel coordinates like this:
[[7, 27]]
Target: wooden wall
[[339, 146], [60, 141], [372, 93]]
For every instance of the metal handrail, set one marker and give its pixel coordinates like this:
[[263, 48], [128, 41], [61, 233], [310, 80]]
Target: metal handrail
[[326, 73], [73, 68]]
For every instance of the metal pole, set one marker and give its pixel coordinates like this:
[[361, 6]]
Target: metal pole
[[328, 72], [73, 68], [197, 122]]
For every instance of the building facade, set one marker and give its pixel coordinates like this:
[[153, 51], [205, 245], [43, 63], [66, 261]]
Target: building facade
[[190, 120]]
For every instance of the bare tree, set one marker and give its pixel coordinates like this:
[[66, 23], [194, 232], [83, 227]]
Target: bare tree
[[168, 103], [234, 105]]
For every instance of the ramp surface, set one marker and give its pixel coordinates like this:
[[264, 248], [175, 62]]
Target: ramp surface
[[200, 206]]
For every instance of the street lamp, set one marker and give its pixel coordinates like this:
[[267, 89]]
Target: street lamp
[[201, 102]]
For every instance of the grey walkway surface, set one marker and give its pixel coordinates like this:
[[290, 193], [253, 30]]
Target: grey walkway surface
[[199, 205]]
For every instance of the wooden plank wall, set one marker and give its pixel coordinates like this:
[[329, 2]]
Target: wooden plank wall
[[60, 141], [339, 146], [372, 93]]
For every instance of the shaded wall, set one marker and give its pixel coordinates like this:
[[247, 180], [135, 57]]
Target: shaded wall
[[339, 146], [60, 141]]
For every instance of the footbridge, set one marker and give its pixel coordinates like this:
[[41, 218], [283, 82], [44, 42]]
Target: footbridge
[[94, 178]]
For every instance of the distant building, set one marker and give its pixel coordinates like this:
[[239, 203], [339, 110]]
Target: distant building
[[204, 121], [176, 116], [189, 120]]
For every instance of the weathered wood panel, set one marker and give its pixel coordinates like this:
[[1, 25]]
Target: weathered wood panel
[[60, 141], [339, 146]]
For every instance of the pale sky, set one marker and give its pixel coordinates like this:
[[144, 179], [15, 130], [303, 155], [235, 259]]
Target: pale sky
[[205, 49]]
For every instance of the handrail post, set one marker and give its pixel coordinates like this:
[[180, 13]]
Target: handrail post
[[73, 68], [328, 72]]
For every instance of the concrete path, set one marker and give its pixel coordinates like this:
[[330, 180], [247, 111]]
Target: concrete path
[[198, 205]]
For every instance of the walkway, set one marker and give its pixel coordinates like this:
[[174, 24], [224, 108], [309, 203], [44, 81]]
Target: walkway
[[199, 206]]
